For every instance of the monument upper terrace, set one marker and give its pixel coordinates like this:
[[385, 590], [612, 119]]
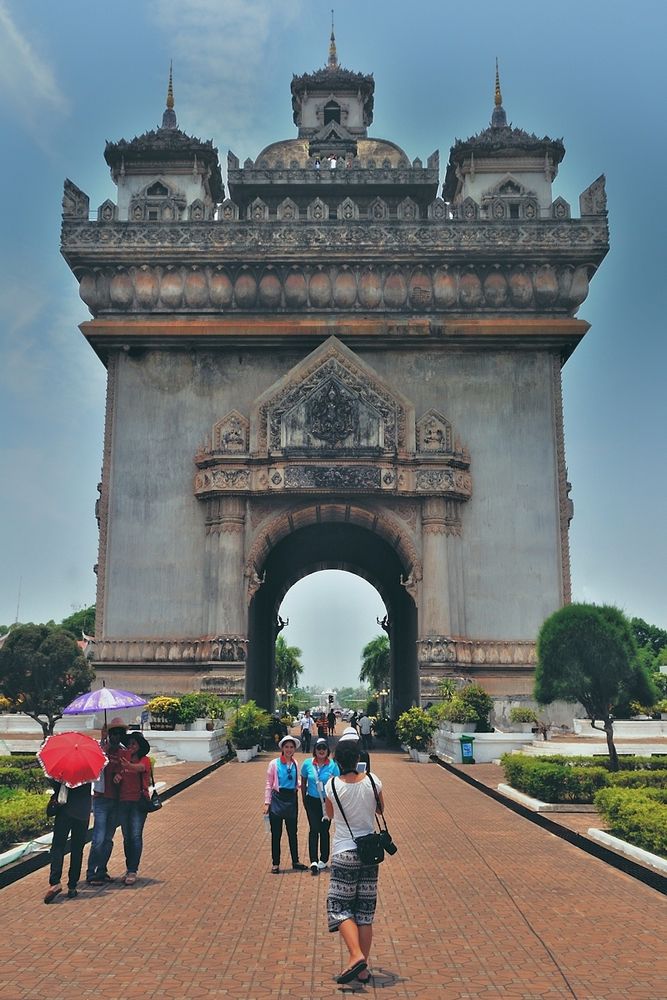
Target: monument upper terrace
[[333, 221]]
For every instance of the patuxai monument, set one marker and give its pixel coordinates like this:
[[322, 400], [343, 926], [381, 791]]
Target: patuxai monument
[[343, 358]]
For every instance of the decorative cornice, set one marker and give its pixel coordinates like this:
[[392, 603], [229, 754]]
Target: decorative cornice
[[457, 651], [221, 648], [331, 288], [92, 242]]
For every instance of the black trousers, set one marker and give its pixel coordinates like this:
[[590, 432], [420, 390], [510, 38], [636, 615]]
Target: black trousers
[[305, 740], [318, 834], [276, 836], [63, 827]]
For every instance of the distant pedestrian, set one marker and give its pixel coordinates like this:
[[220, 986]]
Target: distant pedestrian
[[315, 772], [71, 820], [353, 721], [308, 729], [331, 722], [366, 730], [281, 802]]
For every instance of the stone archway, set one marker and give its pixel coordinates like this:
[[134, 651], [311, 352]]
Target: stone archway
[[333, 545]]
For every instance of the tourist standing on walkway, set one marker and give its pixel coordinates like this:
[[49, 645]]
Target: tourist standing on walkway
[[350, 734], [135, 780], [331, 721], [281, 802], [308, 728], [366, 729], [352, 896], [71, 819], [315, 772], [105, 803]]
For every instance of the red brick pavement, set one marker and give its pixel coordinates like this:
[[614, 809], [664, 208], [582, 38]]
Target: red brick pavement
[[478, 903]]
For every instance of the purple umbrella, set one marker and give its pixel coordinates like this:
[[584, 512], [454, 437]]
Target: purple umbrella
[[101, 700]]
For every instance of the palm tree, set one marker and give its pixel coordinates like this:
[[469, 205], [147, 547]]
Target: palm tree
[[375, 663], [288, 664]]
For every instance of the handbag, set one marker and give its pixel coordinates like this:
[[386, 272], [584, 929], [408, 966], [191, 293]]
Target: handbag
[[371, 846], [283, 803], [150, 803]]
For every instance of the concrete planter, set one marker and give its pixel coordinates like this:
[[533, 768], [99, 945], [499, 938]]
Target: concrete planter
[[463, 727], [423, 758], [244, 756], [205, 747], [487, 747], [198, 726]]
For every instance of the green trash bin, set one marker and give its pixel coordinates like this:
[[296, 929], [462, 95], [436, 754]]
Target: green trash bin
[[467, 755]]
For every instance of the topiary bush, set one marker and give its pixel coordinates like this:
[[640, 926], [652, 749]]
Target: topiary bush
[[22, 817], [638, 816], [31, 779]]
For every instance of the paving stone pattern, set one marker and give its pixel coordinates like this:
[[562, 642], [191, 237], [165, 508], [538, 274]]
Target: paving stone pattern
[[478, 903]]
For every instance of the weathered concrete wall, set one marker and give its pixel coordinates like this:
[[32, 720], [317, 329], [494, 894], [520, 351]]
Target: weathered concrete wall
[[499, 403]]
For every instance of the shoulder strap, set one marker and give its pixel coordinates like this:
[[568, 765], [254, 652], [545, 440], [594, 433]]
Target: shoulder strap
[[377, 799], [342, 812]]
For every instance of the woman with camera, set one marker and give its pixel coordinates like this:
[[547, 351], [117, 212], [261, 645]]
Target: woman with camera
[[352, 801], [315, 772]]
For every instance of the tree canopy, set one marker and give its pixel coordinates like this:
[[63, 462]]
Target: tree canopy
[[288, 664], [42, 670], [375, 669], [649, 635], [80, 621], [587, 653]]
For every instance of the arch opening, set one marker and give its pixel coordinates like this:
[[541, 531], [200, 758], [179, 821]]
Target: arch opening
[[341, 546]]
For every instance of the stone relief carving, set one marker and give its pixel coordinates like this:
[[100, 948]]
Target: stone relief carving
[[332, 477], [444, 481], [76, 203], [593, 201], [229, 648], [434, 433], [258, 211], [560, 209], [230, 434], [331, 413], [460, 651]]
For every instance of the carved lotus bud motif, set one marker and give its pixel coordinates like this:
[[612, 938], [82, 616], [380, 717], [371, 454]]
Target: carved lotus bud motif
[[320, 290], [171, 288], [579, 286], [445, 288], [296, 290], [145, 287], [470, 290], [521, 288], [546, 285], [495, 289], [345, 289], [395, 290], [220, 289], [421, 290], [270, 290], [196, 289], [88, 290], [370, 289], [245, 290], [121, 290]]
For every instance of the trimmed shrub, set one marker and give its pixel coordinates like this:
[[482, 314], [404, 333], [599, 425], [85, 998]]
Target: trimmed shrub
[[550, 781], [638, 816], [18, 760], [22, 817], [638, 779], [32, 779]]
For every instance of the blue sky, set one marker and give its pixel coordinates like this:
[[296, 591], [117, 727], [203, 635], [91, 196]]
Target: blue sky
[[76, 73]]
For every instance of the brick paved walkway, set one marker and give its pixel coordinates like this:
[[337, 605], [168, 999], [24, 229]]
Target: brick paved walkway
[[478, 903]]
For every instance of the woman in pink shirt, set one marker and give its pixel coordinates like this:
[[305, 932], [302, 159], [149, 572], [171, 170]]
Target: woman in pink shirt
[[281, 802]]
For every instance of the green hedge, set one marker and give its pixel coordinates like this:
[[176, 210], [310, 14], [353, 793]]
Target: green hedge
[[553, 782], [22, 817], [32, 779], [636, 815], [18, 760], [658, 763], [563, 779]]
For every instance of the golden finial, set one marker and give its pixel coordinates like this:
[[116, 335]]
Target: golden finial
[[499, 96], [170, 91], [333, 57]]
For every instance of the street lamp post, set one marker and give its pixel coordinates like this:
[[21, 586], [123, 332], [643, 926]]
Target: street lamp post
[[383, 704]]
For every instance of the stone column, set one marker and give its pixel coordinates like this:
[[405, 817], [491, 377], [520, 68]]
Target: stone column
[[434, 610], [225, 532]]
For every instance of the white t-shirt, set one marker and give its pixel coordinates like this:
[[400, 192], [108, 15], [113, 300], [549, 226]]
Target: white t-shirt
[[358, 802]]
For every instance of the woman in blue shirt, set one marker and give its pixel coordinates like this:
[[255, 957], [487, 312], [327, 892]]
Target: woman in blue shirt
[[315, 772]]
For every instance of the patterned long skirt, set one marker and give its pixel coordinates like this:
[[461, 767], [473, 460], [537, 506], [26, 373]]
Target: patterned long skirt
[[352, 890]]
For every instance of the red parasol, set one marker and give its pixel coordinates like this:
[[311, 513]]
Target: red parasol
[[72, 759]]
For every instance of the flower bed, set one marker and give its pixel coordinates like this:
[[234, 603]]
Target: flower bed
[[636, 815]]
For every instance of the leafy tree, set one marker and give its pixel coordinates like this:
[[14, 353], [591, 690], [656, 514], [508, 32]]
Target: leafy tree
[[80, 621], [588, 653], [288, 664], [42, 670], [648, 635], [375, 668]]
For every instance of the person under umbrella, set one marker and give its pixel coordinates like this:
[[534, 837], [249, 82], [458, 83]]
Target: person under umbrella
[[71, 761], [106, 795]]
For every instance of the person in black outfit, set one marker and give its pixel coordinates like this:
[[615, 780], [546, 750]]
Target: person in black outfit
[[71, 819]]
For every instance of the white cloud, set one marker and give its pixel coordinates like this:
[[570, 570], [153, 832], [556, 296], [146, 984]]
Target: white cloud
[[27, 82], [220, 52]]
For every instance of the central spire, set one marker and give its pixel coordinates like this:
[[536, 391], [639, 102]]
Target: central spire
[[498, 118], [169, 116], [333, 57]]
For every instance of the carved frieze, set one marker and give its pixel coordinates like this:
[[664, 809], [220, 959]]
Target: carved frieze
[[337, 477], [459, 651], [448, 480], [225, 648]]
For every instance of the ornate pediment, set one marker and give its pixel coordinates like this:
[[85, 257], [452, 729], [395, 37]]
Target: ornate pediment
[[331, 401]]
